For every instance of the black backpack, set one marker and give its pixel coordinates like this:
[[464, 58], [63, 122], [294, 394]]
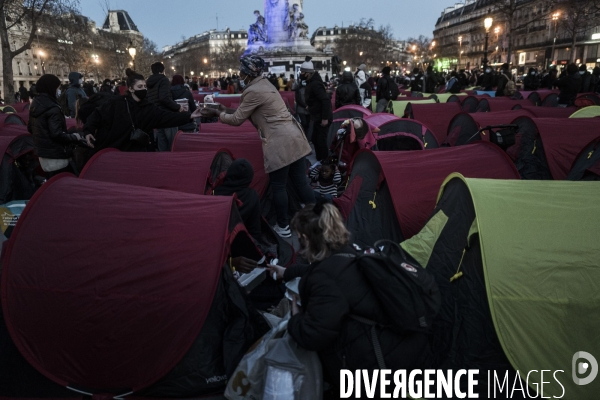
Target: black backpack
[[408, 292], [393, 88]]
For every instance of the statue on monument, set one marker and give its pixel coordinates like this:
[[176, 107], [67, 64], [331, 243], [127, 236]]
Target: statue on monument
[[258, 30], [295, 24]]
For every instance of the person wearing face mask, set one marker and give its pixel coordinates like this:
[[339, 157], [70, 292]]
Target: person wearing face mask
[[532, 80], [110, 125], [52, 144], [503, 79], [283, 140], [569, 85], [75, 92]]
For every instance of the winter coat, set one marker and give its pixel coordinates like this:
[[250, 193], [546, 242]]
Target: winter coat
[[366, 91], [299, 97], [87, 108], [330, 291], [594, 81], [383, 91], [283, 140], [74, 92], [49, 129], [24, 93], [111, 123], [317, 100], [431, 82], [181, 92], [487, 81], [416, 83], [159, 92], [569, 86], [531, 82], [237, 181], [502, 81], [347, 93], [586, 83]]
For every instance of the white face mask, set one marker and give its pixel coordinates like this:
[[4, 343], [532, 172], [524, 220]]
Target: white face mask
[[532, 74], [81, 81], [243, 82], [58, 92], [581, 72], [487, 71]]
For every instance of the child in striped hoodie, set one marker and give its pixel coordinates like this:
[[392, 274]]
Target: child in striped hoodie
[[327, 178]]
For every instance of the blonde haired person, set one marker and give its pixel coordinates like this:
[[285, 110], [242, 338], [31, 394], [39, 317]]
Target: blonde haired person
[[333, 293]]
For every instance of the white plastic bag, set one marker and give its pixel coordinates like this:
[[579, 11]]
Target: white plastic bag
[[277, 369]]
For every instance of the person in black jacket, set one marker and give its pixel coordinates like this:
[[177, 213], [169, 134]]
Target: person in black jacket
[[503, 79], [159, 93], [595, 80], [332, 291], [52, 144], [586, 80], [569, 85], [532, 80], [111, 125], [347, 92], [179, 91], [319, 108], [237, 180], [299, 87], [383, 93], [549, 79]]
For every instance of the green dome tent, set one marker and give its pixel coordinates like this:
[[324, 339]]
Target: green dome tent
[[517, 266]]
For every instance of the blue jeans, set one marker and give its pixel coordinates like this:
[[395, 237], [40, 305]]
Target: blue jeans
[[165, 137], [296, 171]]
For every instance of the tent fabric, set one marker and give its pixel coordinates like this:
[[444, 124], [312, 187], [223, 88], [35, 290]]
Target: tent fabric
[[551, 112], [351, 111], [7, 119], [449, 97], [435, 116], [464, 126], [587, 164], [194, 173], [240, 144], [400, 105], [13, 130], [414, 178], [390, 124], [209, 128], [470, 103], [543, 293], [121, 282], [586, 112], [500, 104]]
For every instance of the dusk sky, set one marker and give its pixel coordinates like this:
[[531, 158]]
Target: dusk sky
[[165, 22]]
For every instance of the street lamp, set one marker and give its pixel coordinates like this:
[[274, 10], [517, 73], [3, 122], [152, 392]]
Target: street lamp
[[132, 53], [555, 17], [460, 50], [41, 55], [487, 23]]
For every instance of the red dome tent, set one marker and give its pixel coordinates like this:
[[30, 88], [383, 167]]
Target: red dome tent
[[17, 168], [194, 173], [551, 112], [391, 194], [127, 289], [240, 144], [342, 114], [13, 130], [412, 134], [464, 127], [470, 103], [550, 146], [500, 104], [435, 116], [587, 164], [219, 127], [7, 119]]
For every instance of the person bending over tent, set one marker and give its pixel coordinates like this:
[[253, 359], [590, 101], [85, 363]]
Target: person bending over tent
[[237, 181], [335, 296], [123, 123], [284, 142]]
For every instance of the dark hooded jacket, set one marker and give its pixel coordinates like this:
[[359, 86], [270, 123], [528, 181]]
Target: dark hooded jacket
[[111, 124], [317, 99], [49, 129], [531, 82], [74, 92], [330, 291], [569, 86], [347, 92], [586, 82], [237, 180], [181, 92], [159, 92]]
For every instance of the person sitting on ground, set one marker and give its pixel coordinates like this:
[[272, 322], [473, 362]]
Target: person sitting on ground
[[333, 291], [111, 124], [347, 92], [237, 181], [327, 178]]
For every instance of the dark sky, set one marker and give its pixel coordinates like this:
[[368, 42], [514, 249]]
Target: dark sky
[[166, 21]]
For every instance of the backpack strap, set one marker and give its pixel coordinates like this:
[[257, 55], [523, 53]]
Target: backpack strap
[[374, 338]]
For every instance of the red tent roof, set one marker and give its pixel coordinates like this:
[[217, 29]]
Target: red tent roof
[[353, 107], [563, 140], [184, 172], [415, 177], [240, 144], [7, 119], [551, 112], [376, 120], [13, 130], [501, 104], [120, 283], [437, 117]]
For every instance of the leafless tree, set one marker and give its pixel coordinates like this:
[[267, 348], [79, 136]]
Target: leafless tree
[[19, 20], [576, 19], [228, 55], [362, 44]]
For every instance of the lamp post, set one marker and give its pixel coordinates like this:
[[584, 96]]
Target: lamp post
[[459, 50], [487, 23], [132, 53], [96, 61], [41, 55], [555, 17]]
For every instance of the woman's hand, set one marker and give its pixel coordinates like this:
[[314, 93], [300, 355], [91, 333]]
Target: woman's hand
[[209, 112], [222, 108], [243, 264], [295, 307], [89, 139], [197, 114], [324, 123], [277, 270]]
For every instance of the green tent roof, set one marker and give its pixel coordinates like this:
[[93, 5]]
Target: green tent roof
[[540, 247]]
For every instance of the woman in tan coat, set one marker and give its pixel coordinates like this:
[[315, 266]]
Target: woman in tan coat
[[284, 143]]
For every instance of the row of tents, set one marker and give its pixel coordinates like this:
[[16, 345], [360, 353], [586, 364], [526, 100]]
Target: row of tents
[[118, 282]]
